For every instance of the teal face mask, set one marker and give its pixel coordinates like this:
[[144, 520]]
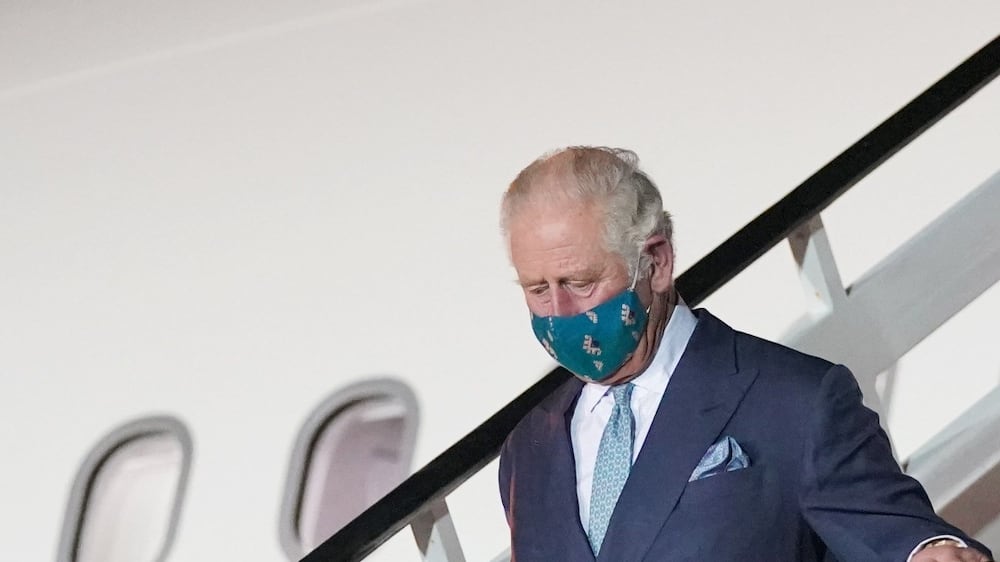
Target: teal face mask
[[595, 343]]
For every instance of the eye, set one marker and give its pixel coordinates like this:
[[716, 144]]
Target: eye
[[537, 290], [580, 286]]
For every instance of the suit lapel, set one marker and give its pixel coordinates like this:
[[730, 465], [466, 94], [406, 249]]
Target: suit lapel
[[565, 538], [704, 391]]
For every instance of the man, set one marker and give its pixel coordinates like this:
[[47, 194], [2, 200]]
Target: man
[[680, 438]]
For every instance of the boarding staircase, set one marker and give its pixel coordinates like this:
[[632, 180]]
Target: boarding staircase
[[920, 285]]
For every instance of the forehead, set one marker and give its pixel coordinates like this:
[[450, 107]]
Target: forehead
[[558, 238]]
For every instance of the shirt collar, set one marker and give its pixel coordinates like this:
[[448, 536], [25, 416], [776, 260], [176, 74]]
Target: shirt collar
[[656, 376]]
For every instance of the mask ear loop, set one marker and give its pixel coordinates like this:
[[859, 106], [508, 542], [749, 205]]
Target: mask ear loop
[[635, 279], [635, 276]]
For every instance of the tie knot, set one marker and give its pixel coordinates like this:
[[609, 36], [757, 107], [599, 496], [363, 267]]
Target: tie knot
[[622, 394]]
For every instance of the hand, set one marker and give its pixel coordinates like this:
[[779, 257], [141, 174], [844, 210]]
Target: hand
[[949, 552]]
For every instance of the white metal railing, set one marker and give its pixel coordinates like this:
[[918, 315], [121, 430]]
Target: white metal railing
[[960, 469], [902, 299], [436, 536], [894, 306]]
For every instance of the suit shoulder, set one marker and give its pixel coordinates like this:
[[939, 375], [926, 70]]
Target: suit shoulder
[[541, 418], [781, 365], [753, 352], [769, 352]]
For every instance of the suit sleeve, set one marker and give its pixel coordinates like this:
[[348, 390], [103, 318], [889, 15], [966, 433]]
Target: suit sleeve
[[506, 478], [853, 493]]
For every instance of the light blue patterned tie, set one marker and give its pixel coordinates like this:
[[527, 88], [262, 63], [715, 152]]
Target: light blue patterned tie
[[614, 460]]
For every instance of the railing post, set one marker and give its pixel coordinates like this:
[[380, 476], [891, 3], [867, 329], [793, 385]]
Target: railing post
[[817, 267], [435, 534], [503, 556]]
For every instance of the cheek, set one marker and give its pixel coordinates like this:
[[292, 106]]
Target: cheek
[[604, 293], [645, 293], [537, 305]]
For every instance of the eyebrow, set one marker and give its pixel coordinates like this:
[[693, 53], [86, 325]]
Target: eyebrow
[[585, 275]]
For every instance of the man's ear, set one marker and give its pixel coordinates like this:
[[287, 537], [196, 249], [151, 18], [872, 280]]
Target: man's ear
[[661, 278]]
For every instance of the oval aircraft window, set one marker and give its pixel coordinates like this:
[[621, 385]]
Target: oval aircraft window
[[353, 449], [125, 500]]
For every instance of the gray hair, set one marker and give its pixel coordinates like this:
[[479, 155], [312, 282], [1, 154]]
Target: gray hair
[[633, 208]]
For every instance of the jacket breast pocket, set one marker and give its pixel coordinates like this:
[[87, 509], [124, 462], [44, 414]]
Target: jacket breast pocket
[[743, 483]]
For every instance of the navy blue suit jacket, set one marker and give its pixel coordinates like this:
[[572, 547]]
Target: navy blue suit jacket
[[822, 480]]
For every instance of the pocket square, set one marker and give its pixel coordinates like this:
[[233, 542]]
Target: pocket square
[[724, 455]]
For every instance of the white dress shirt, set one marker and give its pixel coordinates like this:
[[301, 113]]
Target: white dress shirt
[[593, 409]]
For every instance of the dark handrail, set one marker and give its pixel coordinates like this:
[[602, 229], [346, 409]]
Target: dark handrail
[[477, 449]]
